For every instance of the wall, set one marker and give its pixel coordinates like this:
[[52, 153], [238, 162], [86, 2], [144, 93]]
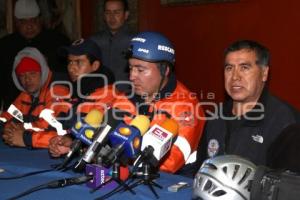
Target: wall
[[201, 32]]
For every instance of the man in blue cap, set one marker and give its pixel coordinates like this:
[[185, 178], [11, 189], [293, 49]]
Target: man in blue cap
[[91, 87]]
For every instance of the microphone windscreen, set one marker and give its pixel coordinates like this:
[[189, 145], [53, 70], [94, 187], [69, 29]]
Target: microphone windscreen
[[94, 118], [141, 122], [170, 125]]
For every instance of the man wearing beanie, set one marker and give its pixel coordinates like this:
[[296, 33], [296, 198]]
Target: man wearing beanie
[[32, 76], [29, 32]]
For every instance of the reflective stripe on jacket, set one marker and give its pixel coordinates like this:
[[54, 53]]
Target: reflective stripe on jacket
[[182, 106], [31, 108]]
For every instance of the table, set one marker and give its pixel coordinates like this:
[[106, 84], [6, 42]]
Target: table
[[16, 161]]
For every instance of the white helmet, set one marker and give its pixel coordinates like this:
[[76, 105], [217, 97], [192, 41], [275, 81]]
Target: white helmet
[[224, 177]]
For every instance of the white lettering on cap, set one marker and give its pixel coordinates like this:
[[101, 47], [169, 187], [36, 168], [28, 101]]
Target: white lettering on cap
[[143, 50], [78, 42], [165, 48], [137, 39]]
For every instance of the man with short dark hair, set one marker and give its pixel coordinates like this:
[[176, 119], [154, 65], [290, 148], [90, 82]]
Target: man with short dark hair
[[115, 39], [91, 87], [253, 118]]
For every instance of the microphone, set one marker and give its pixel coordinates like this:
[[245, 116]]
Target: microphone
[[157, 142], [101, 176], [127, 139], [98, 142], [83, 130]]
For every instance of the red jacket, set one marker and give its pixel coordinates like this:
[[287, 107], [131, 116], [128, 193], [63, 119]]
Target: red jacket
[[182, 106]]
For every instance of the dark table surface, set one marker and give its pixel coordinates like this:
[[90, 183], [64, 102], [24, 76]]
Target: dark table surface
[[15, 161]]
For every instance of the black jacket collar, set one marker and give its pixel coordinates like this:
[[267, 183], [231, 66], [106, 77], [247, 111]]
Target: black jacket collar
[[254, 116], [90, 84]]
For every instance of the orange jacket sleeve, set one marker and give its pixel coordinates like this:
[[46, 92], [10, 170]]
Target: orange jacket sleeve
[[54, 101], [191, 122]]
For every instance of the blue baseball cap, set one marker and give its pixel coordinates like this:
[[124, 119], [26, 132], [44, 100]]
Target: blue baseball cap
[[82, 47]]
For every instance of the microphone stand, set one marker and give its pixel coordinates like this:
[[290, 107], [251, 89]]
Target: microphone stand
[[147, 177], [115, 177]]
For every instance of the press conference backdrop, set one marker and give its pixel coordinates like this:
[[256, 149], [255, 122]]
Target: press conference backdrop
[[17, 161]]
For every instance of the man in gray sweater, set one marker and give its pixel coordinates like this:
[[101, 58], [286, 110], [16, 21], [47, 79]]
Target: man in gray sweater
[[115, 39]]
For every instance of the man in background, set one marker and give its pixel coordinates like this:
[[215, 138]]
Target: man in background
[[29, 33], [115, 39]]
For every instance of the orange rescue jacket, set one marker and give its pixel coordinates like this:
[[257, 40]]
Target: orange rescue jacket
[[182, 106], [31, 110]]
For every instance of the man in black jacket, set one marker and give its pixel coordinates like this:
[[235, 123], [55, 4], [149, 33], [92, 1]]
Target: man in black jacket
[[29, 33], [252, 119]]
